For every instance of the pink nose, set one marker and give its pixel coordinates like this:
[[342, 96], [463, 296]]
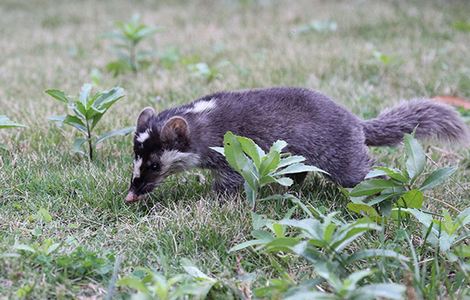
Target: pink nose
[[131, 197]]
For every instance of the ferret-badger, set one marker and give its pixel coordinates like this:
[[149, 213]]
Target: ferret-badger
[[326, 134]]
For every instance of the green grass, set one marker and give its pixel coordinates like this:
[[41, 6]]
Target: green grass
[[56, 44]]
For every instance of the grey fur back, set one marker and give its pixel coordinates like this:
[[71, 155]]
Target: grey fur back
[[431, 120]]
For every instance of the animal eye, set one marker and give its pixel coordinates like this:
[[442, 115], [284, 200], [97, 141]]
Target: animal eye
[[154, 167]]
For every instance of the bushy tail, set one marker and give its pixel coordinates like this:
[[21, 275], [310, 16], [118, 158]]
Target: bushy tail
[[430, 119]]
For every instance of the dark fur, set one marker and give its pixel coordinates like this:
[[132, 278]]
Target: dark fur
[[326, 134]]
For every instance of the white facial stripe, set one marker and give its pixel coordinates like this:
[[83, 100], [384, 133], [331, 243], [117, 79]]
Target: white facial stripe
[[142, 137], [174, 161], [202, 106], [137, 165]]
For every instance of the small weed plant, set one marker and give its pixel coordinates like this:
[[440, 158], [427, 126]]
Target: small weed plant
[[151, 284], [388, 190], [127, 37], [259, 168], [85, 112]]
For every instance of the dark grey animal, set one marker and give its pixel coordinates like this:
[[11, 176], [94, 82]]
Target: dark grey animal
[[326, 134]]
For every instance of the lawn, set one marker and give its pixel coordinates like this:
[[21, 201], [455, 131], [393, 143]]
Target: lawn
[[367, 55]]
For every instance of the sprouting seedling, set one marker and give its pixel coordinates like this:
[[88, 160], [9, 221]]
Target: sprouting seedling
[[259, 168], [402, 189], [127, 37], [85, 113], [155, 285], [5, 122]]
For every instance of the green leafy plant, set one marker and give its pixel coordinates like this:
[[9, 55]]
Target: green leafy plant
[[323, 241], [79, 264], [154, 285], [5, 122], [127, 38], [338, 288], [203, 70], [259, 168], [397, 188], [85, 111], [444, 232]]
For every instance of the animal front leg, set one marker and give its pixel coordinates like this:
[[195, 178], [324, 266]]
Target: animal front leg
[[226, 181]]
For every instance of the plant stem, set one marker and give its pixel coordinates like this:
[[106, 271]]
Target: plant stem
[[90, 146], [132, 57]]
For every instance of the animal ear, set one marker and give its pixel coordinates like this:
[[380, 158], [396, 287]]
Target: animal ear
[[144, 118], [176, 132]]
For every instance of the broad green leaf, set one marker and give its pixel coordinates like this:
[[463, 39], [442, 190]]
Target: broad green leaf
[[373, 253], [423, 218], [251, 194], [381, 290], [375, 173], [251, 149], [394, 173], [266, 180], [260, 234], [44, 215], [112, 133], [371, 187], [354, 278], [437, 177], [346, 237], [194, 271], [76, 122], [278, 230], [309, 295], [278, 146], [411, 199], [326, 271], [58, 95], [282, 244], [133, 283], [96, 119], [108, 98], [362, 209], [249, 173], [269, 163], [248, 244], [416, 159], [24, 247], [374, 200], [233, 152], [77, 145], [298, 168], [80, 110], [5, 122], [291, 160], [85, 94], [285, 181], [52, 248], [307, 225], [464, 217]]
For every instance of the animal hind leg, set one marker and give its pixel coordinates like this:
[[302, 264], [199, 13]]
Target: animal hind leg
[[226, 181]]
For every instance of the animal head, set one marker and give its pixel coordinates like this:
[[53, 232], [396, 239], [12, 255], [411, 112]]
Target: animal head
[[161, 148]]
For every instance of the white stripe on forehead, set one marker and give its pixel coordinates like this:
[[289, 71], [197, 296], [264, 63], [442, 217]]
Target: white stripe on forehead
[[137, 165], [202, 106], [143, 136]]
